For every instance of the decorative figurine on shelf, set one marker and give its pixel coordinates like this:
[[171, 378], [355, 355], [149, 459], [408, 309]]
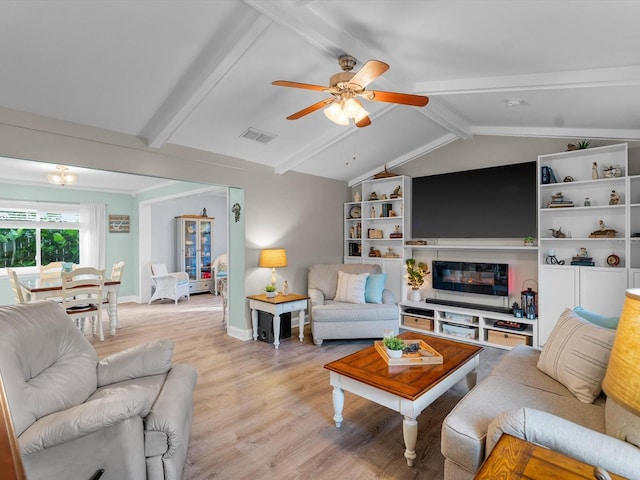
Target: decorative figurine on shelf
[[357, 197], [285, 288], [397, 192], [374, 252], [373, 196], [373, 211], [204, 212], [558, 233], [614, 198], [383, 197], [594, 171], [352, 232]]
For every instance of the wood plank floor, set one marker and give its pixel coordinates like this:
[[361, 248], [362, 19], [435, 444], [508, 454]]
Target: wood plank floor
[[262, 413]]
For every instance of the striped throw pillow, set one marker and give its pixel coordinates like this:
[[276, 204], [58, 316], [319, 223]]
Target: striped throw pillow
[[351, 287], [576, 355]]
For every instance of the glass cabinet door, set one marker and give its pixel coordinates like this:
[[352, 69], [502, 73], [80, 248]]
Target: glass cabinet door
[[191, 248], [205, 249]]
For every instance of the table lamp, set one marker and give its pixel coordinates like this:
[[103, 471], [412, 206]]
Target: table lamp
[[273, 258], [622, 380]]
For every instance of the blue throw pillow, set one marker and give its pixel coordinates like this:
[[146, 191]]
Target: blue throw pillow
[[596, 319], [374, 287]]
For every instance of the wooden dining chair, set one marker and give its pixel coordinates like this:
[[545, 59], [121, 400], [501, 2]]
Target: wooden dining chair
[[82, 292], [15, 286]]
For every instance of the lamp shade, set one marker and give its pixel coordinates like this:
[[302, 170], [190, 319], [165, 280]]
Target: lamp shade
[[622, 379], [273, 258]]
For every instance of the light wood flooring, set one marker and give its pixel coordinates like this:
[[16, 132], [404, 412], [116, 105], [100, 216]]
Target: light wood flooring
[[262, 413]]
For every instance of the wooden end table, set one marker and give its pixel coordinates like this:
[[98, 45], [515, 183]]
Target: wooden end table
[[516, 459], [407, 389], [276, 306]]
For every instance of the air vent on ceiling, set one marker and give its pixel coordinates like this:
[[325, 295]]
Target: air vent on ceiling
[[257, 135]]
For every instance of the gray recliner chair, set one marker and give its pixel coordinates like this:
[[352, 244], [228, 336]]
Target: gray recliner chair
[[129, 414]]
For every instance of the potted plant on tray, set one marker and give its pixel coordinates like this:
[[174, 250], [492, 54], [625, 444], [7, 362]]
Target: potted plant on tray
[[416, 271], [394, 346], [271, 291]]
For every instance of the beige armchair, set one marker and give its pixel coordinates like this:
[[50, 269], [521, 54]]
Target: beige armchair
[[128, 414], [168, 285]]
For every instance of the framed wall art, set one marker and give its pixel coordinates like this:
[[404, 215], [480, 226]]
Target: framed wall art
[[119, 224]]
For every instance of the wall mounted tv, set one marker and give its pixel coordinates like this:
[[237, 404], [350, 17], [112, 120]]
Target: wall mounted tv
[[495, 202]]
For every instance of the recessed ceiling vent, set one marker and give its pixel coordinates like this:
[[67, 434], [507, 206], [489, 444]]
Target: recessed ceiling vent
[[260, 137]]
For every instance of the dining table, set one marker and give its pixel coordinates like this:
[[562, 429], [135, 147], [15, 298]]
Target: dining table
[[43, 289]]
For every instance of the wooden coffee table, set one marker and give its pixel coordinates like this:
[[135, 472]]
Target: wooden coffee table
[[405, 389]]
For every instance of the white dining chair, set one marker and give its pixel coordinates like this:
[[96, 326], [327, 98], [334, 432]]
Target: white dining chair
[[116, 275], [82, 292], [15, 286], [51, 271], [220, 268]]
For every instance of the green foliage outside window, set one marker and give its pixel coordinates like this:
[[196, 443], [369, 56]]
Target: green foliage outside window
[[18, 246]]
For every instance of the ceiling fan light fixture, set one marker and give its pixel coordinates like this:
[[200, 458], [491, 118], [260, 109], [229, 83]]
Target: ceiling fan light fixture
[[361, 114], [62, 176], [335, 113]]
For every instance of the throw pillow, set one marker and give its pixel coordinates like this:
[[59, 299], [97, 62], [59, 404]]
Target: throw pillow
[[351, 287], [576, 355], [600, 320], [374, 287]]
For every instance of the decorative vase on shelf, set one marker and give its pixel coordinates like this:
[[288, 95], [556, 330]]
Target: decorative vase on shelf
[[414, 295]]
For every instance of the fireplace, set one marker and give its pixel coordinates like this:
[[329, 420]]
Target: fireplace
[[481, 278]]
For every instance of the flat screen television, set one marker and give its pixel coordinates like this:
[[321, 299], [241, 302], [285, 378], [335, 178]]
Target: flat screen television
[[495, 202], [482, 278]]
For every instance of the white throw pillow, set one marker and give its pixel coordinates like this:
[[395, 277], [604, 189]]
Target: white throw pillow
[[576, 355], [351, 287]]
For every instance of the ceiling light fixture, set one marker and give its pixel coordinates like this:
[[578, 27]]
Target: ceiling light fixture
[[62, 176], [343, 109]]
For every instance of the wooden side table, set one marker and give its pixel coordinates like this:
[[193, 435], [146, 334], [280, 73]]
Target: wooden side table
[[516, 459], [276, 306]]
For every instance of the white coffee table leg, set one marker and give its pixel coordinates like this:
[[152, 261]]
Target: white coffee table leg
[[338, 405], [472, 378], [410, 434]]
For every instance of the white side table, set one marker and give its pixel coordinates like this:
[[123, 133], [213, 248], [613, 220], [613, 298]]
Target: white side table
[[276, 306]]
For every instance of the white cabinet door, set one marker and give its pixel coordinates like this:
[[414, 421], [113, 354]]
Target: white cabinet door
[[561, 290], [634, 278], [602, 289]]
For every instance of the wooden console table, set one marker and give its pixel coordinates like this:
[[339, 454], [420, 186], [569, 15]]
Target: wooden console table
[[516, 459]]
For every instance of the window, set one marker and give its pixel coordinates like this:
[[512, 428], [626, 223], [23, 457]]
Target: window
[[34, 234]]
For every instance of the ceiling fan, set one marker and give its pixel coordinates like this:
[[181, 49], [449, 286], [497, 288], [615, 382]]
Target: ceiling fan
[[345, 87]]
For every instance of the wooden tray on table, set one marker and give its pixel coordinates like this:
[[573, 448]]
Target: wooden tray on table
[[414, 358]]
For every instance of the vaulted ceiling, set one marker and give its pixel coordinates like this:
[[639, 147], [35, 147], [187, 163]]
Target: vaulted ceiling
[[199, 73]]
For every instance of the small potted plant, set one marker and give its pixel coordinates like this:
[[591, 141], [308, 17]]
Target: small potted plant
[[394, 346], [528, 241], [271, 291], [416, 271]]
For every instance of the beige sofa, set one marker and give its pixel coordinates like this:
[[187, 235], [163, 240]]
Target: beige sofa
[[520, 399], [128, 414], [332, 319]]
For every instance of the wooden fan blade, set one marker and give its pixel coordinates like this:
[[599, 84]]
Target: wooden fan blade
[[311, 109], [369, 72], [363, 122], [306, 86], [394, 97]]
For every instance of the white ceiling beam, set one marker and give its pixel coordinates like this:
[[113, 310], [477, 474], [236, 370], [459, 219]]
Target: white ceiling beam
[[591, 133], [603, 77], [446, 118], [218, 57]]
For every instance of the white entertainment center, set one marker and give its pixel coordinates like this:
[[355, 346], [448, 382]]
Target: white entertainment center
[[477, 318]]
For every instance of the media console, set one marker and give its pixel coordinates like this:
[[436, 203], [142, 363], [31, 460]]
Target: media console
[[473, 306], [471, 323]]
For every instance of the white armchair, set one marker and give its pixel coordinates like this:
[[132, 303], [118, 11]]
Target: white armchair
[[220, 267], [168, 285]]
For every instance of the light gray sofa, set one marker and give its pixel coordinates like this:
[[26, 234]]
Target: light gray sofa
[[341, 320], [129, 414], [519, 399]]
